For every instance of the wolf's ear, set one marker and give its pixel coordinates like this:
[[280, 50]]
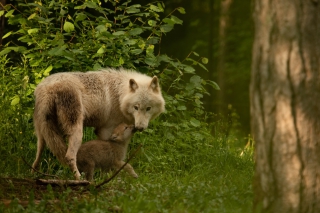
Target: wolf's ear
[[154, 85], [133, 85]]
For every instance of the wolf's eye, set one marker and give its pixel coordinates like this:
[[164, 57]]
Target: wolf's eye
[[148, 108], [136, 107]]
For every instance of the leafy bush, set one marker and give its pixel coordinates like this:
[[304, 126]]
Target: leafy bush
[[46, 37]]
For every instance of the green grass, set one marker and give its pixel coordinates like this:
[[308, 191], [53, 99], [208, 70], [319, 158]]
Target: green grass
[[216, 180], [183, 172]]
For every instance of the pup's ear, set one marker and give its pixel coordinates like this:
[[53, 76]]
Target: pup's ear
[[154, 85], [133, 85]]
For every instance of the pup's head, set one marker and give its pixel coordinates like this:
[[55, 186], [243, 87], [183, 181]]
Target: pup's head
[[123, 132], [144, 101]]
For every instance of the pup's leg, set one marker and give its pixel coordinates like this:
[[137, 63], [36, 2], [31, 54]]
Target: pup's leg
[[128, 168], [89, 174], [40, 147], [87, 166]]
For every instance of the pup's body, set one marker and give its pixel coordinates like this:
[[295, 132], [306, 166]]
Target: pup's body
[[106, 155], [65, 102]]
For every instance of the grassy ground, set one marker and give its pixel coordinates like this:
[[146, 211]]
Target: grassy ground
[[220, 181], [208, 174]]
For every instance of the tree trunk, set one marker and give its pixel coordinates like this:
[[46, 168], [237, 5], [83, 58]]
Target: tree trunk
[[223, 26], [2, 19], [285, 105]]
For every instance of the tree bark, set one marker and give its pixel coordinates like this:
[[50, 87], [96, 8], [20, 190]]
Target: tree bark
[[285, 105], [223, 26], [2, 19]]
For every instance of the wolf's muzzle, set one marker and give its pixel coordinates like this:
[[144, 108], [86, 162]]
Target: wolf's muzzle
[[140, 129]]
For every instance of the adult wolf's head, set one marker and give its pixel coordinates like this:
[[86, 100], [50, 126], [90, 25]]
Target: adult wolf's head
[[143, 102]]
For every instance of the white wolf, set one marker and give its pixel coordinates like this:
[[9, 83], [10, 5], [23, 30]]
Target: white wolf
[[65, 102]]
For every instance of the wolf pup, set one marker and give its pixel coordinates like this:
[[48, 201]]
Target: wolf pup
[[66, 102], [106, 155]]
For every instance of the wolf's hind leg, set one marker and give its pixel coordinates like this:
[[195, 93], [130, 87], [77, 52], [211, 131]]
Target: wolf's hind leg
[[75, 141], [70, 115], [128, 168], [40, 147]]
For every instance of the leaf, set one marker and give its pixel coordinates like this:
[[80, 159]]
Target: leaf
[[189, 69], [181, 107], [196, 54], [101, 28], [130, 42], [151, 61], [135, 31], [32, 16], [204, 60], [150, 50], [1, 12], [5, 51], [57, 50], [91, 4], [47, 71], [132, 10], [80, 17], [213, 84], [9, 14], [168, 21], [96, 66], [136, 51], [7, 34], [152, 23], [15, 101], [161, 6], [155, 8], [181, 10], [176, 20], [68, 27], [194, 122], [101, 50], [196, 80], [119, 33], [166, 28], [201, 65], [32, 31], [152, 40], [121, 61]]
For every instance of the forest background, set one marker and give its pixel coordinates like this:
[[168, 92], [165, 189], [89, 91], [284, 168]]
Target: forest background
[[222, 31]]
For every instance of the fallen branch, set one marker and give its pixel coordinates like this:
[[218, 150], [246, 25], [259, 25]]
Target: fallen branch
[[117, 172], [38, 170], [62, 182]]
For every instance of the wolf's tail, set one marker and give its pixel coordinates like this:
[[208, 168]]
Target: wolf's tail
[[47, 127]]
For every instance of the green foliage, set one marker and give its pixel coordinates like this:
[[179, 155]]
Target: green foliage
[[50, 36]]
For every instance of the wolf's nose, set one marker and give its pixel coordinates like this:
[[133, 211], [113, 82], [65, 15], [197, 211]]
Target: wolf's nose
[[137, 128]]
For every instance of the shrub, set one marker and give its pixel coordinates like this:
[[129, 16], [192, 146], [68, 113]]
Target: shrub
[[46, 37]]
